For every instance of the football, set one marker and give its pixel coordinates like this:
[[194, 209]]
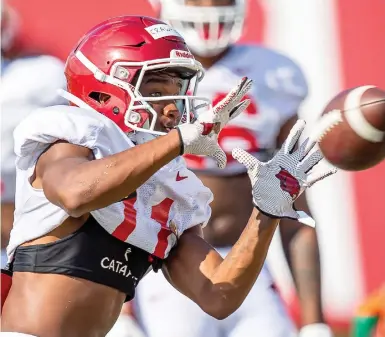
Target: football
[[351, 130]]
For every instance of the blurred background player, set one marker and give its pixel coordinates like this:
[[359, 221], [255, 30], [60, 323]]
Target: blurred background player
[[210, 28], [28, 81]]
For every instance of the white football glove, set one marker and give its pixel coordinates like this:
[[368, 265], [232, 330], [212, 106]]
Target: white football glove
[[316, 330], [201, 137], [278, 183]]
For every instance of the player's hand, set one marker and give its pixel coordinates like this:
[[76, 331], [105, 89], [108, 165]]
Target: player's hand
[[229, 107], [277, 183], [201, 137], [316, 330]]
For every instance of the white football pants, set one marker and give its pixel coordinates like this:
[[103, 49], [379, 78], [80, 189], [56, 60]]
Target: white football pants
[[164, 312]]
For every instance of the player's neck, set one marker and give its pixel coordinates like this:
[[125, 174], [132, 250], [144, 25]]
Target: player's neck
[[208, 62]]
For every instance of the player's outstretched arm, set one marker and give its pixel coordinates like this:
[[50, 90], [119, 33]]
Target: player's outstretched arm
[[217, 285], [220, 286], [78, 184]]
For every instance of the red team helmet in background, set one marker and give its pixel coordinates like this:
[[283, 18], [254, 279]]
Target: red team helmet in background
[[208, 30]]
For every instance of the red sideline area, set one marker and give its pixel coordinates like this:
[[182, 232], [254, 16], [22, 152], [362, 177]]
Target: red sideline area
[[362, 36], [5, 283], [54, 27], [58, 32]]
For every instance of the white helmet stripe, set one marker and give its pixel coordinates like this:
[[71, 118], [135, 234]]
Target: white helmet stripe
[[99, 75]]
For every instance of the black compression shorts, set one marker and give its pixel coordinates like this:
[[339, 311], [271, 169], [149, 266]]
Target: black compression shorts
[[90, 253]]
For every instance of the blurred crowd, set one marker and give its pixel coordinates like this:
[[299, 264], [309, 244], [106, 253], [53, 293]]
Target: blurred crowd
[[213, 30]]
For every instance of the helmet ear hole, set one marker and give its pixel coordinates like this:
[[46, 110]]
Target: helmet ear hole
[[99, 97]]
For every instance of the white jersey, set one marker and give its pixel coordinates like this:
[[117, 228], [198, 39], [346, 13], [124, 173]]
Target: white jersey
[[27, 83], [167, 204], [278, 89]]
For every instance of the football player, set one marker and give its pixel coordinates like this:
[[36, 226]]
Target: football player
[[103, 194]]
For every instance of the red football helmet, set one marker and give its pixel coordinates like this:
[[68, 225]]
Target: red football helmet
[[105, 70]]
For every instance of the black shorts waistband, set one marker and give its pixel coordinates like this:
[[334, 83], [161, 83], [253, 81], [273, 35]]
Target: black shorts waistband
[[90, 253]]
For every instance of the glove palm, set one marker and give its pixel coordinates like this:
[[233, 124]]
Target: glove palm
[[277, 183]]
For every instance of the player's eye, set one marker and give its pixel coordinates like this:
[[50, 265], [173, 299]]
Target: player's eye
[[156, 94]]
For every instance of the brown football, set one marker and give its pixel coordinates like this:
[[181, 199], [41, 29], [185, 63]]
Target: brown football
[[351, 131]]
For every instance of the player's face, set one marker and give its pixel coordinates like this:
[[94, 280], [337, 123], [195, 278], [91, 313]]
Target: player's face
[[163, 84], [210, 3]]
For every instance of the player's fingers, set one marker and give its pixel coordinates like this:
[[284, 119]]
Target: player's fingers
[[220, 157], [239, 108], [307, 145], [235, 95], [319, 176], [302, 148], [313, 159], [229, 99], [244, 87], [244, 158], [293, 136]]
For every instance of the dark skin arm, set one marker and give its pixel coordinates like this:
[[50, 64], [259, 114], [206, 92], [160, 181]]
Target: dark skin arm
[[301, 250], [73, 181], [217, 285]]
